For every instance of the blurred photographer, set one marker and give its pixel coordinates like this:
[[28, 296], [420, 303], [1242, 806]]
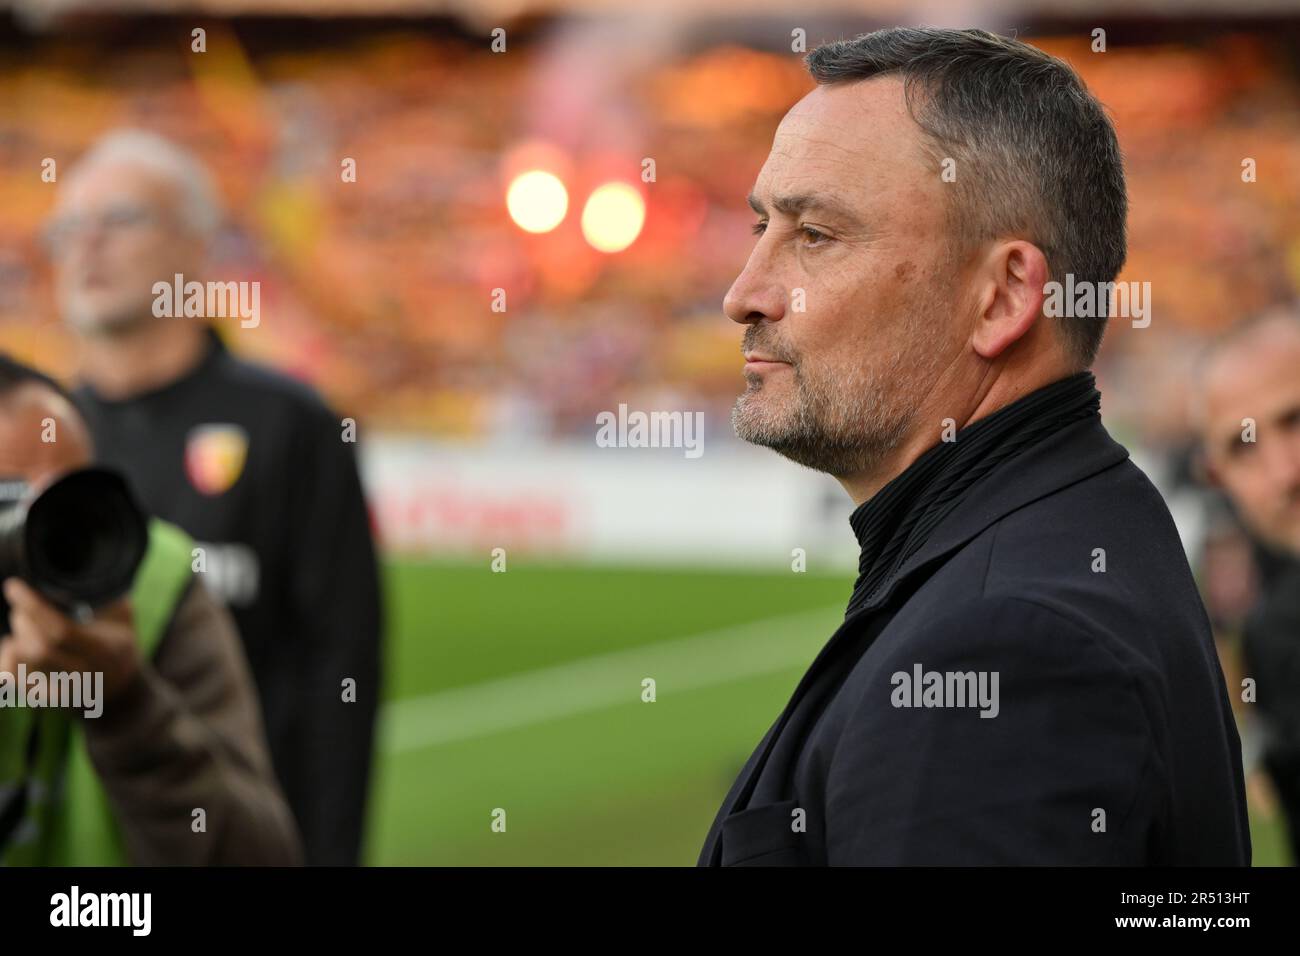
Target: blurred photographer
[[175, 770]]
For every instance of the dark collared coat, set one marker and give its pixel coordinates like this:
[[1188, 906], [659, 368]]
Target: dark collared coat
[[1113, 741]]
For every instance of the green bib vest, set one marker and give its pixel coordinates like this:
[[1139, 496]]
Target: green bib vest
[[68, 819]]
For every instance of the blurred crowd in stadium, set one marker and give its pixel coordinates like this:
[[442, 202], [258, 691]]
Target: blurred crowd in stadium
[[382, 287]]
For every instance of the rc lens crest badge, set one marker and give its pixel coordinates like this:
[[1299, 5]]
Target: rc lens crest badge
[[215, 456]]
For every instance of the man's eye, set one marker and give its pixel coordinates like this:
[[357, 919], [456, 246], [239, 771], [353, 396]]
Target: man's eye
[[811, 236]]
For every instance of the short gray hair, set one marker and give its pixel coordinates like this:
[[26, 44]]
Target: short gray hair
[[1037, 155], [1240, 333], [199, 204]]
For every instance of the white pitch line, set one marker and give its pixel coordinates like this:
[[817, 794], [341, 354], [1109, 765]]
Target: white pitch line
[[605, 680]]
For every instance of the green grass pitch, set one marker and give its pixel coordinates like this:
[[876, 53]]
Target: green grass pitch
[[521, 692]]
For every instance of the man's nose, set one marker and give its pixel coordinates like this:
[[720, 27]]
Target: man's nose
[[755, 296], [82, 243]]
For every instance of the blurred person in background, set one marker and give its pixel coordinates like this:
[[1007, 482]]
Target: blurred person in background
[[1249, 421], [250, 462], [179, 728]]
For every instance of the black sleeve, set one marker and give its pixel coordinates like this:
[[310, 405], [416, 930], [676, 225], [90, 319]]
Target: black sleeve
[[186, 733], [335, 596], [1068, 741], [1271, 648]]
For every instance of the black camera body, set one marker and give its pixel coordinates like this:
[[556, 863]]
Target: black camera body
[[79, 541]]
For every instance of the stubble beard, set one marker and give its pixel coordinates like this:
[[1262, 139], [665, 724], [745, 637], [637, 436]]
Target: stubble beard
[[842, 423], [106, 320]]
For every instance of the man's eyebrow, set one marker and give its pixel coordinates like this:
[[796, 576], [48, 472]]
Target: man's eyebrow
[[797, 203]]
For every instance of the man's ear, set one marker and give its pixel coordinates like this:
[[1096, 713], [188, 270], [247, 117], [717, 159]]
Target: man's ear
[[1014, 274]]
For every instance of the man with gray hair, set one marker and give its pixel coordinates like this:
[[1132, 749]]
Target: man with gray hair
[[1025, 672], [251, 463]]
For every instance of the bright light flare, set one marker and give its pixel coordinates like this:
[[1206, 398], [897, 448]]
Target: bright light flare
[[613, 217], [537, 201]]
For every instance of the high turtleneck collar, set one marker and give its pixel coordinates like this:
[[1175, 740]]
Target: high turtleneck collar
[[892, 524]]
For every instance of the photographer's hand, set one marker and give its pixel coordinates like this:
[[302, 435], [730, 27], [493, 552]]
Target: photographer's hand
[[45, 639]]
